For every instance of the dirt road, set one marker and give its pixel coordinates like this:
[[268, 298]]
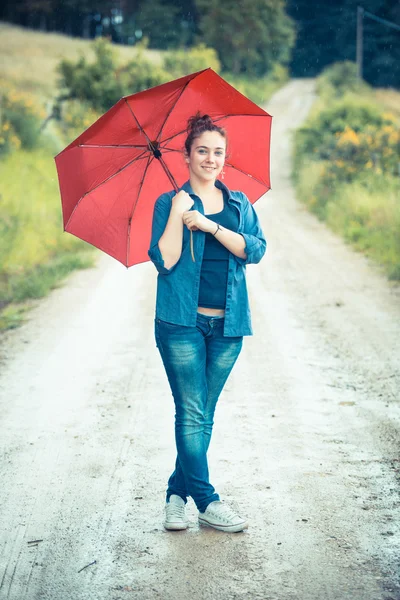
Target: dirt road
[[306, 440]]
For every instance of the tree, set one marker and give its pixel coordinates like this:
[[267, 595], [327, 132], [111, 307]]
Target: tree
[[249, 36], [158, 21], [166, 23], [326, 33]]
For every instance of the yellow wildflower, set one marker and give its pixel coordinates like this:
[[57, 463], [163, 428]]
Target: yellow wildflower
[[348, 136], [340, 163]]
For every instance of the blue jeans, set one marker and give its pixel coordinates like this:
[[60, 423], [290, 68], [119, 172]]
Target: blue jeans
[[198, 361]]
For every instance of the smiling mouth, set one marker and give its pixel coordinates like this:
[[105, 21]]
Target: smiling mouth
[[209, 168]]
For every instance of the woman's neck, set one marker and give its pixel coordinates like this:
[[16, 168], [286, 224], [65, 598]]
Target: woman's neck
[[202, 188]]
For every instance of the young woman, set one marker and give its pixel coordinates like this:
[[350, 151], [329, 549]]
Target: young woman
[[202, 311]]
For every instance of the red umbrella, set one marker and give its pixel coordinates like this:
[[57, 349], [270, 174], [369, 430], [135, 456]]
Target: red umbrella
[[112, 174]]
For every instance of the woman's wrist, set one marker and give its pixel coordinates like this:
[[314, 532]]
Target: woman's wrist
[[212, 227], [176, 210], [218, 228]]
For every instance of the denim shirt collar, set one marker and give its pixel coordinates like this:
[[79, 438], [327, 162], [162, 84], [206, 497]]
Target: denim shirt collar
[[188, 188]]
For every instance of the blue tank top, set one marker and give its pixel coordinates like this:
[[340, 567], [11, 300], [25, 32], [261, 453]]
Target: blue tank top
[[214, 268]]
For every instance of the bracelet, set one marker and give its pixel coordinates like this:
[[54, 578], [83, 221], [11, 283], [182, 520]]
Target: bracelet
[[218, 229]]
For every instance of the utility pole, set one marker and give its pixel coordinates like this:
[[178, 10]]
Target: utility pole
[[360, 18], [361, 13]]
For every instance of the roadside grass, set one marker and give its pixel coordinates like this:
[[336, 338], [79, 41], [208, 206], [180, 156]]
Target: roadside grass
[[357, 197], [389, 98], [366, 213], [35, 253], [369, 218]]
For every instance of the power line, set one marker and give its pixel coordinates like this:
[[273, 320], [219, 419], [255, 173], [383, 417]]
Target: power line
[[379, 20]]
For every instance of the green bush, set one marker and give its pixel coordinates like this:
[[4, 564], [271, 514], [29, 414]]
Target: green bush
[[25, 124], [259, 89], [76, 116], [102, 83], [318, 137], [346, 170], [338, 79], [185, 61], [9, 141], [140, 74], [20, 120], [95, 83]]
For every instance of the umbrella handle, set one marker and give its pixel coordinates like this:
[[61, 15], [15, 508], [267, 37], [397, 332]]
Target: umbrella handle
[[191, 246]]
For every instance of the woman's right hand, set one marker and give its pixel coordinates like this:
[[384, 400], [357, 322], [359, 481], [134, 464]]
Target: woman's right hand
[[182, 202]]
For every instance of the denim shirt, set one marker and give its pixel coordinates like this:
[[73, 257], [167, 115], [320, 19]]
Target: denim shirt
[[178, 287]]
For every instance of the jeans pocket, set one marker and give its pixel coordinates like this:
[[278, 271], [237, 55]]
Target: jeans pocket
[[167, 325]]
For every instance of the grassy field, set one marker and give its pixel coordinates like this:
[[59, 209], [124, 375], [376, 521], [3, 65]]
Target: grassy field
[[29, 58], [35, 253]]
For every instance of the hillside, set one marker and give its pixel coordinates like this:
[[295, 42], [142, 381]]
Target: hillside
[[29, 58]]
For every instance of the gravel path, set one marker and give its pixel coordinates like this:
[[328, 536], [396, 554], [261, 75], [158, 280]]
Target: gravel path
[[306, 439]]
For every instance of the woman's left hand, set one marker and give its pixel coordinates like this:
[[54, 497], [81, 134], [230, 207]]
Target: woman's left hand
[[194, 220]]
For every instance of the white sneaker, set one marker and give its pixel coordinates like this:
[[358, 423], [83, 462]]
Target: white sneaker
[[175, 515], [221, 516]]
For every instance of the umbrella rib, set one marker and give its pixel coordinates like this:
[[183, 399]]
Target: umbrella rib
[[215, 120], [139, 125], [134, 207], [174, 136], [110, 146], [247, 175], [100, 184], [171, 150], [140, 187], [172, 108], [172, 180], [242, 115], [229, 165], [169, 174]]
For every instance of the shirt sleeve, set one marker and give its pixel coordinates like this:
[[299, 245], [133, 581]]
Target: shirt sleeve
[[162, 208], [252, 233]]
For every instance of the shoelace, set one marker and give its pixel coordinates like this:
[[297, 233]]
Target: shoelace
[[224, 511], [175, 511]]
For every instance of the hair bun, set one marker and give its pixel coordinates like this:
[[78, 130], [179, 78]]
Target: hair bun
[[197, 125], [199, 122]]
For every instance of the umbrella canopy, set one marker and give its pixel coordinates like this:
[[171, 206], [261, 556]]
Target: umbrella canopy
[[112, 174]]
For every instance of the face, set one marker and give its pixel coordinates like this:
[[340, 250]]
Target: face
[[207, 156]]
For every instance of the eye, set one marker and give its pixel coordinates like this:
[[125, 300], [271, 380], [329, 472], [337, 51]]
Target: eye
[[219, 152]]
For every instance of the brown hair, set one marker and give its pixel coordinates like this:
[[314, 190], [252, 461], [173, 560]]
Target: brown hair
[[197, 125]]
